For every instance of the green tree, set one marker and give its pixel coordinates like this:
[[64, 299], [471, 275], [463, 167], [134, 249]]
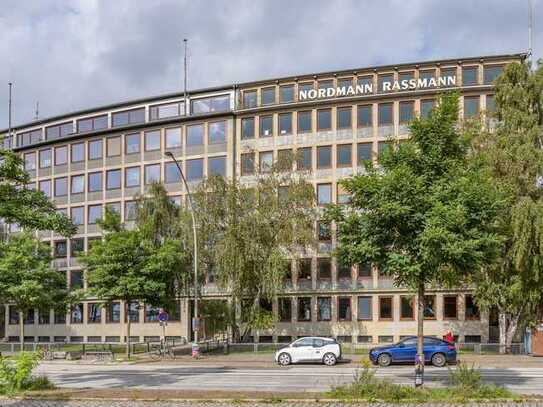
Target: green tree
[[27, 280], [247, 233], [512, 150], [423, 216], [133, 266], [29, 208]]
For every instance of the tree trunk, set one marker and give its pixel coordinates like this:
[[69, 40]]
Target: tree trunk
[[128, 337], [502, 324], [511, 330], [419, 360], [21, 331]]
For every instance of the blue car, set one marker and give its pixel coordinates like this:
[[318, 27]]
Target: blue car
[[436, 351]]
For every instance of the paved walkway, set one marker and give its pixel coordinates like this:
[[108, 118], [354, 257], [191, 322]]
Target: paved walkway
[[131, 403]]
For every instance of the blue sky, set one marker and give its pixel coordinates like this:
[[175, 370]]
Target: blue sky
[[76, 54]]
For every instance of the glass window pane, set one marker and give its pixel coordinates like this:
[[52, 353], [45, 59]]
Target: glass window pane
[[195, 135], [247, 163], [365, 308], [426, 107], [285, 123], [130, 210], [217, 132], [406, 112], [61, 155], [113, 146], [364, 152], [469, 75], [132, 143], [266, 126], [132, 177], [152, 173], [491, 73], [78, 184], [78, 152], [249, 99], [95, 181], [344, 155], [84, 125], [113, 179], [95, 149], [171, 173], [266, 161], [344, 118], [77, 215], [490, 103], [324, 157], [385, 114], [30, 159], [324, 308], [173, 138], [384, 83], [220, 103], [95, 213], [304, 158], [152, 140], [195, 169], [364, 116], [287, 93], [268, 96], [304, 122], [45, 158], [324, 119], [165, 111], [324, 194], [45, 187], [385, 308], [216, 166], [471, 106], [61, 186], [406, 307], [247, 128]]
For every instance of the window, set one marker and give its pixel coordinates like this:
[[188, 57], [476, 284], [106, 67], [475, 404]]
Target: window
[[490, 103], [324, 119], [383, 146], [132, 143], [45, 158], [384, 83], [429, 307], [472, 310], [113, 146], [304, 122], [78, 152], [327, 84], [406, 112], [344, 118], [92, 124], [284, 159], [285, 309], [427, 75], [152, 140], [61, 155], [267, 96], [426, 107], [173, 137], [471, 106], [30, 161], [344, 308], [247, 128], [305, 87], [76, 314], [195, 169], [152, 173], [113, 179], [128, 117], [61, 249], [265, 161], [365, 339], [286, 93], [365, 312], [491, 73], [29, 137], [407, 307], [60, 316], [95, 313], [385, 114], [95, 181], [363, 152], [405, 76], [304, 309], [45, 187], [249, 98], [450, 307], [130, 210], [13, 315], [344, 155], [343, 270], [447, 73], [385, 307], [324, 309], [304, 269], [285, 123], [472, 339], [114, 207], [324, 194], [77, 184], [95, 149], [61, 186], [324, 157], [76, 279], [211, 104], [266, 126], [166, 110], [304, 161], [133, 312], [77, 246], [324, 269], [151, 313], [171, 173], [366, 82], [44, 318], [78, 215], [344, 82], [217, 133], [95, 214], [324, 232], [216, 166], [343, 196], [113, 313], [247, 164], [61, 130], [469, 75]]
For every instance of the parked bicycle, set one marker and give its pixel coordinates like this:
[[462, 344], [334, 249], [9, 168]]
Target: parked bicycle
[[162, 351]]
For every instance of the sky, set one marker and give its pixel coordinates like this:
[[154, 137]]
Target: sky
[[77, 54]]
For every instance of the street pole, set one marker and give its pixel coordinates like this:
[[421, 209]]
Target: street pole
[[191, 207]]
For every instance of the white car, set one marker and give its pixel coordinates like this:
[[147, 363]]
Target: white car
[[310, 349]]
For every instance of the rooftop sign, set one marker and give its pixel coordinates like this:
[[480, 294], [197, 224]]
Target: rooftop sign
[[386, 86]]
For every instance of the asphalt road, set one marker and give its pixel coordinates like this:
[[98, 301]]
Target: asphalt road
[[301, 378]]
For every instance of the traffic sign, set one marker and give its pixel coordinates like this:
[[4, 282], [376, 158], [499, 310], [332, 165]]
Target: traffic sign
[[163, 316]]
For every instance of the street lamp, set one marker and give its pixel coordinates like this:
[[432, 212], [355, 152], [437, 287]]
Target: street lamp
[[191, 207]]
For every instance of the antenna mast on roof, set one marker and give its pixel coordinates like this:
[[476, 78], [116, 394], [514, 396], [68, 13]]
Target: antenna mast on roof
[[9, 113], [37, 110], [185, 75], [530, 30]]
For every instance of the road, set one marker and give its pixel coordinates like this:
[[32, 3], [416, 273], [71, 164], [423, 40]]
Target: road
[[302, 378]]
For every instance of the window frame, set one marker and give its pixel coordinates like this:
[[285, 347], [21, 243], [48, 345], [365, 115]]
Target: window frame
[[391, 299]]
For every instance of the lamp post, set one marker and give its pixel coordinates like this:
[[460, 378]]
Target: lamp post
[[191, 207]]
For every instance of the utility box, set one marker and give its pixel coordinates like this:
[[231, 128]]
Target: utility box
[[537, 341]]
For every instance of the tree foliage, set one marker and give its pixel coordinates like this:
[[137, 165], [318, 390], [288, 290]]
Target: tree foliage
[[511, 148], [29, 208]]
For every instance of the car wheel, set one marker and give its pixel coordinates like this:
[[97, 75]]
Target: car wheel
[[439, 360], [284, 359], [329, 359], [384, 360]]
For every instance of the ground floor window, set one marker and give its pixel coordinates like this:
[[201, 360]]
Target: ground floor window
[[324, 309], [472, 310], [450, 310], [113, 314], [95, 313], [151, 313], [76, 314], [407, 307], [304, 309], [429, 307], [43, 316], [344, 308], [13, 315], [365, 311], [385, 308], [285, 309]]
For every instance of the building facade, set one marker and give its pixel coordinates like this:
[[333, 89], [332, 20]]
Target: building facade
[[87, 160]]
